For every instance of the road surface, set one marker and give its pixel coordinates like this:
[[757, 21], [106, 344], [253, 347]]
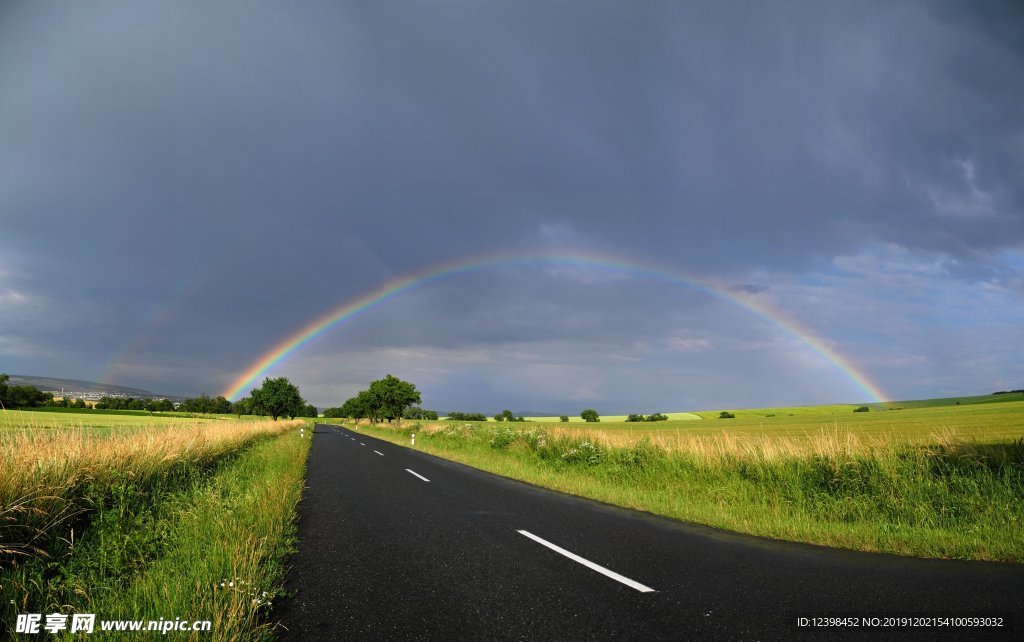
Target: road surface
[[398, 544]]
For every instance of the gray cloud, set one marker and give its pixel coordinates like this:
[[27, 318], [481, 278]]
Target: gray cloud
[[183, 186]]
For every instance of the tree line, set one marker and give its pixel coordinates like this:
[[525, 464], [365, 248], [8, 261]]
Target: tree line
[[22, 396], [388, 399], [125, 403], [275, 398]]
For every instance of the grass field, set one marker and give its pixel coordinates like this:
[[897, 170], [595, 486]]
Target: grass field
[[677, 416], [174, 519], [814, 412], [932, 480], [56, 419], [987, 423]]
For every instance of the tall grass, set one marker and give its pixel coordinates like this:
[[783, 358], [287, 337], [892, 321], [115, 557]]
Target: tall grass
[[51, 478], [221, 555], [953, 497], [146, 523]]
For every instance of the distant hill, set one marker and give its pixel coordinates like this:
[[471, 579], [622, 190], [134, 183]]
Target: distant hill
[[78, 385]]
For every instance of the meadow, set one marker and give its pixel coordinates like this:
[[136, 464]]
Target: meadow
[[815, 413], [131, 517], [988, 423], [105, 422], [932, 480], [677, 416]]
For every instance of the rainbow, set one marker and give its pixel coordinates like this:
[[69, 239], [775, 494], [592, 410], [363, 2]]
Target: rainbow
[[572, 258]]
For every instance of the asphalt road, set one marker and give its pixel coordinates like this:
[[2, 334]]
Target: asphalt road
[[397, 544]]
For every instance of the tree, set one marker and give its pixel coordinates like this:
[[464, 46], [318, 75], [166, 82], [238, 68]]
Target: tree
[[415, 412], [363, 406], [391, 396], [564, 419], [633, 418], [725, 414], [278, 398], [466, 416], [590, 415], [351, 408], [310, 411], [22, 396], [221, 405], [333, 412], [204, 403], [505, 415], [242, 407]]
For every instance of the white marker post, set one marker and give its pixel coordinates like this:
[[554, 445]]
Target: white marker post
[[413, 439], [302, 432]]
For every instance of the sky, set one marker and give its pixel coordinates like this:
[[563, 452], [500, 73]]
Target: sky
[[183, 186]]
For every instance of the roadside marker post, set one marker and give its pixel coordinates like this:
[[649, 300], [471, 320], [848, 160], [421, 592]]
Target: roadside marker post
[[413, 439], [302, 432]]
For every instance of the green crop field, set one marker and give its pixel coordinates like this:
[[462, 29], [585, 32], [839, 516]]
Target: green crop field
[[986, 423], [677, 416], [96, 420], [921, 423]]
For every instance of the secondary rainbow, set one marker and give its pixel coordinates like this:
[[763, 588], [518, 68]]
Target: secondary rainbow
[[573, 258]]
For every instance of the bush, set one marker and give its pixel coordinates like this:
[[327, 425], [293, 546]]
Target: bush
[[564, 419], [861, 409], [537, 439], [590, 415], [585, 452], [725, 414], [638, 457], [635, 418], [503, 438]]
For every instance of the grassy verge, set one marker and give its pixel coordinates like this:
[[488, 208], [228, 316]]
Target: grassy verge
[[52, 480], [154, 524], [953, 498]]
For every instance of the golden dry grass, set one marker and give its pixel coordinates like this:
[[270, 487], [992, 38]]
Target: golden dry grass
[[46, 474]]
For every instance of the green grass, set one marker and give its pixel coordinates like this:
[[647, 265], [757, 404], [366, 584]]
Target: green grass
[[51, 418], [95, 411], [841, 409], [988, 423], [935, 481], [811, 411], [678, 416]]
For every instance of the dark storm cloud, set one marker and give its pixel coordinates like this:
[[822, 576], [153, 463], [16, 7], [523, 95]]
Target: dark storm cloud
[[210, 177]]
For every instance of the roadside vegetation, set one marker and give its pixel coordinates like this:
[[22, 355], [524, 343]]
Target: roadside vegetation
[[934, 481], [155, 517]]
